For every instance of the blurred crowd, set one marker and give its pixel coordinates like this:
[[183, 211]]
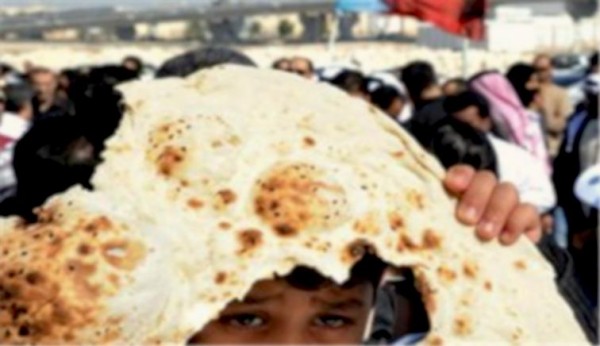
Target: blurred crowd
[[518, 125]]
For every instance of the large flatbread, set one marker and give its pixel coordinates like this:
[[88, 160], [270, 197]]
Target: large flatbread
[[233, 175]]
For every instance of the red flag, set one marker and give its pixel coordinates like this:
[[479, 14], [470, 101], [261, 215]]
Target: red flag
[[461, 17]]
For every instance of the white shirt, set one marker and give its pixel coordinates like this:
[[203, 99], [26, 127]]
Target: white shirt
[[12, 128], [520, 168]]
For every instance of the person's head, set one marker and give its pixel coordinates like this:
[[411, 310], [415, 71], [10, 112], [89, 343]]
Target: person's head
[[133, 63], [421, 82], [543, 66], [45, 84], [471, 108], [353, 82], [302, 66], [389, 100], [454, 142], [454, 86], [525, 81], [301, 308], [52, 156], [186, 64], [593, 63], [282, 64], [19, 98]]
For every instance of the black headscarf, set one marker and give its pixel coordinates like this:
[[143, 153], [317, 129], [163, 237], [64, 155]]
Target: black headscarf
[[519, 75]]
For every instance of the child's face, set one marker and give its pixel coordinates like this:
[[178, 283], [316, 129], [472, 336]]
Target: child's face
[[276, 313]]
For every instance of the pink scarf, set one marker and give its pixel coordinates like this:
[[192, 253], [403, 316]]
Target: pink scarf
[[521, 125]]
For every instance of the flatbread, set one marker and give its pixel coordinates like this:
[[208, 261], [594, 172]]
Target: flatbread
[[236, 174]]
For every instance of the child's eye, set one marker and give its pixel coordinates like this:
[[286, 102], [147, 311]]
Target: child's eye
[[244, 320], [333, 321]]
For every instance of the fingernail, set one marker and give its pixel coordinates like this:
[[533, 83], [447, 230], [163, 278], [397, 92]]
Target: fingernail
[[486, 229], [469, 214]]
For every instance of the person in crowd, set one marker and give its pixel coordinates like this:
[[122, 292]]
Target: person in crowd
[[454, 86], [555, 103], [187, 63], [354, 83], [426, 96], [47, 103], [302, 66], [580, 150], [533, 183], [14, 122], [134, 64], [421, 83], [390, 79], [512, 120], [282, 64], [65, 149], [526, 83], [389, 100], [19, 101]]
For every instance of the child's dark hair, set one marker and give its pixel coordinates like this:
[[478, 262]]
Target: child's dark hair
[[368, 269]]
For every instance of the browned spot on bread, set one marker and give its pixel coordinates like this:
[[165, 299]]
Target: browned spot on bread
[[470, 269], [220, 278], [295, 197], [309, 141], [396, 221], [224, 225], [285, 230], [123, 254], [195, 203], [101, 223], [463, 326], [249, 240], [216, 144], [517, 334], [431, 240], [367, 225], [416, 199], [227, 196], [169, 159], [521, 265], [398, 154], [114, 279], [85, 249], [488, 286], [46, 215], [406, 243], [435, 341], [356, 250], [446, 274], [34, 278]]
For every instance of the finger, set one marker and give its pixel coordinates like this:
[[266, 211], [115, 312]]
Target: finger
[[523, 220], [473, 202], [458, 178], [501, 204]]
